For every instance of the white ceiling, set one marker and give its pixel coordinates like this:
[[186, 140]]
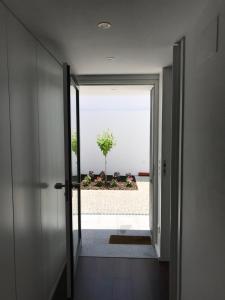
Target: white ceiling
[[116, 90], [141, 37]]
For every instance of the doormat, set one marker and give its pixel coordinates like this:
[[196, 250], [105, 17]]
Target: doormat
[[130, 240]]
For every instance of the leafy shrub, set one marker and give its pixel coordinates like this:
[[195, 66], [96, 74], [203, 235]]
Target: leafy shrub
[[114, 183], [88, 178], [129, 181], [86, 181], [74, 143], [102, 175], [99, 182], [105, 142], [91, 174]]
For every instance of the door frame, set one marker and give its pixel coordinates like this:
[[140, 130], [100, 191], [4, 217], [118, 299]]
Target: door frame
[[76, 86], [167, 96], [68, 180], [154, 140], [177, 168], [69, 185], [137, 79]]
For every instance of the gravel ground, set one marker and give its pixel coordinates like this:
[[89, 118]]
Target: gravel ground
[[113, 202]]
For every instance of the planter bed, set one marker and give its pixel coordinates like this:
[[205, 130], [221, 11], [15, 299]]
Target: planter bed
[[122, 185]]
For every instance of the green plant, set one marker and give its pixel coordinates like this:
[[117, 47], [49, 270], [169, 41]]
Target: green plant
[[105, 142], [74, 143], [129, 181], [88, 178], [86, 181], [114, 183], [98, 181]]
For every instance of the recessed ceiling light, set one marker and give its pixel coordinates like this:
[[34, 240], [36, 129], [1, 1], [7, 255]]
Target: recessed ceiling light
[[110, 58], [104, 25]]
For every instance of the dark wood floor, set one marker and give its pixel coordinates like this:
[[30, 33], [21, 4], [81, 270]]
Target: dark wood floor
[[121, 279], [118, 279]]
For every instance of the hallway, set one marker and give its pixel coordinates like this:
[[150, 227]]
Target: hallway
[[49, 52]]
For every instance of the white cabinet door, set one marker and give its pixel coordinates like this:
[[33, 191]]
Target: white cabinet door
[[51, 129], [7, 266], [25, 160]]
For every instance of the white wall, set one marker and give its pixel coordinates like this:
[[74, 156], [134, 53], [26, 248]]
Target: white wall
[[32, 225], [128, 118], [203, 242]]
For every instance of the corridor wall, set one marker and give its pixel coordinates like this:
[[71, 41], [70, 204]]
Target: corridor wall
[[32, 212], [7, 270], [203, 243]]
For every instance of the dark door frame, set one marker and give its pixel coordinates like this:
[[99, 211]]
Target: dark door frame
[[137, 79], [76, 86], [69, 185], [177, 168], [68, 180]]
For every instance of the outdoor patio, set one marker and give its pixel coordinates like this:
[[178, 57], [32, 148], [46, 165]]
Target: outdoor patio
[[117, 209], [106, 212], [117, 202]]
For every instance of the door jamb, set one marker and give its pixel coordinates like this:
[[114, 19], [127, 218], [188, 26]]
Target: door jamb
[[177, 168]]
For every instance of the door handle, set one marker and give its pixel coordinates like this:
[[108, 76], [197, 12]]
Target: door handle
[[59, 185]]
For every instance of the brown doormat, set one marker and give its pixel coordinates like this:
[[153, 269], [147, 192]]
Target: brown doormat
[[130, 240]]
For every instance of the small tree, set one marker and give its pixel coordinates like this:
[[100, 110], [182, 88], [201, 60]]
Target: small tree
[[105, 142], [74, 143]]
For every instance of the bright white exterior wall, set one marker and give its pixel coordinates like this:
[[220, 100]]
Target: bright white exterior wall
[[127, 116], [203, 242]]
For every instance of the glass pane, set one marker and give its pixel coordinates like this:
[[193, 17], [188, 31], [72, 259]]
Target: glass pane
[[74, 166]]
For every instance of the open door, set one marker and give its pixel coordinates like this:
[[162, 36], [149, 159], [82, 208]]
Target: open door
[[167, 98], [154, 165], [75, 163], [72, 175], [151, 225], [176, 168]]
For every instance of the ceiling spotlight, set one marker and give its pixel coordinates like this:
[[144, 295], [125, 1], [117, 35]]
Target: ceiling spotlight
[[110, 58], [104, 25]]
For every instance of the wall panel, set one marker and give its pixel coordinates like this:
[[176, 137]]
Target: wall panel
[[7, 276], [25, 160], [203, 243]]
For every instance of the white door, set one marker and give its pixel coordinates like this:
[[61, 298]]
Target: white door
[[154, 164], [166, 163]]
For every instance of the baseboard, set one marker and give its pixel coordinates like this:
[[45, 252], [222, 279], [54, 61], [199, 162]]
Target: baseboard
[[164, 259], [62, 270], [57, 281], [157, 250]]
